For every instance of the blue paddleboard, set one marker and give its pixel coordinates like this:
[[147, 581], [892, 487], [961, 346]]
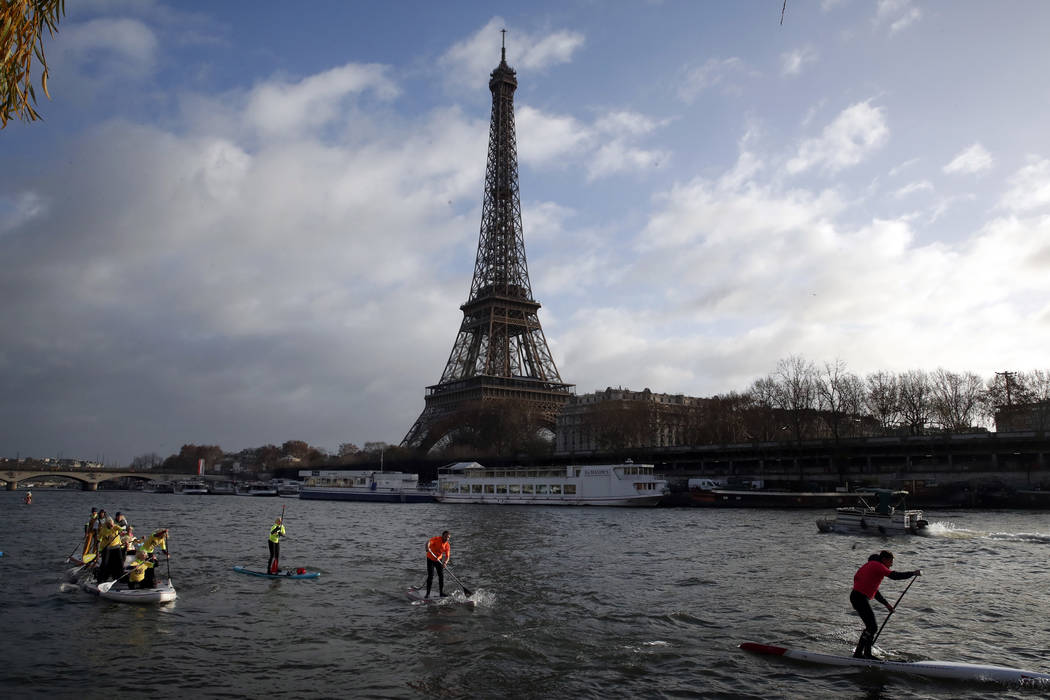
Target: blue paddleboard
[[283, 574]]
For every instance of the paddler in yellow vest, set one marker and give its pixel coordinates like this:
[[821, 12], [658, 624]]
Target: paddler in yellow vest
[[125, 533], [111, 566], [276, 530], [140, 565], [90, 539], [148, 549]]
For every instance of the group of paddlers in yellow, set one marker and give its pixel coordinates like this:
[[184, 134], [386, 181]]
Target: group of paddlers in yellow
[[111, 548]]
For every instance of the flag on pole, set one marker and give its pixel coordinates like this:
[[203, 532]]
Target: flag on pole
[[200, 467]]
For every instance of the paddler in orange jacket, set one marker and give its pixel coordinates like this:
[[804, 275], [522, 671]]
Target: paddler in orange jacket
[[865, 587], [438, 547]]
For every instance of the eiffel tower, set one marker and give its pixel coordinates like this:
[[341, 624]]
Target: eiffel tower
[[500, 353]]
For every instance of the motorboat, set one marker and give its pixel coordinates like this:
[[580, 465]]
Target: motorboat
[[877, 512]]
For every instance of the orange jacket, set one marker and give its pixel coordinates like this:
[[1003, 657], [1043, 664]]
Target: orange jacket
[[436, 548]]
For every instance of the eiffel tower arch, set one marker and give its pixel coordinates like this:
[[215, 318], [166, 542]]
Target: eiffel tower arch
[[500, 353]]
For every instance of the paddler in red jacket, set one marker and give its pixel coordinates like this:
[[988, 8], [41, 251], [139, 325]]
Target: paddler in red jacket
[[437, 547], [865, 587]]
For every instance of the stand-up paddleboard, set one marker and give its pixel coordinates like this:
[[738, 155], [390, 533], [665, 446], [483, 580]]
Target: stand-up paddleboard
[[163, 592], [283, 574], [932, 669], [419, 595]]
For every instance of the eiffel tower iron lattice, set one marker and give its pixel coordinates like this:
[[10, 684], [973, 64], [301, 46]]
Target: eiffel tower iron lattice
[[500, 353]]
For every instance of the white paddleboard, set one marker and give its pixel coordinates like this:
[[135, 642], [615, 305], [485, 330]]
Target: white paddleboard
[[419, 595], [932, 669]]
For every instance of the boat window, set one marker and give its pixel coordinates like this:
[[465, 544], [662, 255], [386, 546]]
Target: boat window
[[541, 488], [515, 488], [570, 489], [475, 488], [556, 489], [526, 488], [490, 488], [501, 488]]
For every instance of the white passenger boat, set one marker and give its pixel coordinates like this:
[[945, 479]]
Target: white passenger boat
[[192, 487], [885, 518], [625, 484], [221, 488], [256, 488], [288, 488], [359, 485], [158, 487]]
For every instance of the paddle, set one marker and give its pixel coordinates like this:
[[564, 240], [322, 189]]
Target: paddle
[[104, 587], [167, 555], [466, 591], [913, 578], [70, 557]]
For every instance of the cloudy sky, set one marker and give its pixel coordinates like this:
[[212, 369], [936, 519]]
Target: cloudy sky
[[249, 222]]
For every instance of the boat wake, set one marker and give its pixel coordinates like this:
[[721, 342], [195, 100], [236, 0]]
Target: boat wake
[[948, 529]]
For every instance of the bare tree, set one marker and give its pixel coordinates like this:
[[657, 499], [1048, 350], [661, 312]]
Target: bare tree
[[851, 388], [915, 400], [838, 396], [956, 399], [882, 399], [796, 391]]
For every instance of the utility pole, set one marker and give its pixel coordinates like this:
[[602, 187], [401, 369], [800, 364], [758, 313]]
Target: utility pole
[[1006, 378]]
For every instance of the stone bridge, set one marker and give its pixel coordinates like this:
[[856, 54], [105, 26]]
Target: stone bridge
[[88, 478]]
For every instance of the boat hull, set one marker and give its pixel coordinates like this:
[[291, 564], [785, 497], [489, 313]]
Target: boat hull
[[931, 669], [353, 494], [524, 500], [725, 498], [286, 574]]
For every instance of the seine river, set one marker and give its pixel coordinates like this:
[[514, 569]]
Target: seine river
[[574, 602]]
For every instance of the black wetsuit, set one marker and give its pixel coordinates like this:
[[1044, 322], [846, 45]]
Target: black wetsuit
[[433, 566]]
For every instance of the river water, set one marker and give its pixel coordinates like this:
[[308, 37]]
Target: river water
[[573, 602]]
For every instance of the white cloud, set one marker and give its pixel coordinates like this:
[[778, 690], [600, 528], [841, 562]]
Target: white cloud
[[604, 148], [280, 108], [714, 72], [898, 14], [17, 210], [913, 187], [623, 122], [856, 132], [543, 138], [1029, 187], [792, 62], [616, 157], [121, 48], [972, 160], [468, 62]]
